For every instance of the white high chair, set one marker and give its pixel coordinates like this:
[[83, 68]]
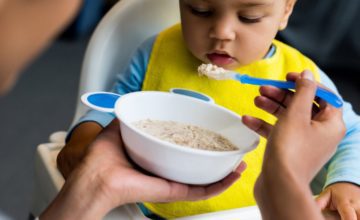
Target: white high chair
[[118, 34]]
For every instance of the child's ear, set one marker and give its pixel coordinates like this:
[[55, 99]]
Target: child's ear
[[288, 10]]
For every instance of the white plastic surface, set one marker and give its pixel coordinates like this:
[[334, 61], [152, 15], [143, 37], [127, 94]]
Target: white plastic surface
[[182, 164], [58, 137], [117, 36], [48, 180]]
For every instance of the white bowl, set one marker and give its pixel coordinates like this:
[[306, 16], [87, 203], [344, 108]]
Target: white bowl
[[179, 163]]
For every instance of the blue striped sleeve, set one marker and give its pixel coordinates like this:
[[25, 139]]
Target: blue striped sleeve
[[344, 166]]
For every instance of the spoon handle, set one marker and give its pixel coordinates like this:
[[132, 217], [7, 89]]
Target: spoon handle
[[322, 93]]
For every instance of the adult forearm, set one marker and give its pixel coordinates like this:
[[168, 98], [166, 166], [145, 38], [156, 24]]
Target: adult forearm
[[282, 195], [26, 28]]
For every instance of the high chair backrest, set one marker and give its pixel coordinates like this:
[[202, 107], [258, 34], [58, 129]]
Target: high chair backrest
[[117, 36]]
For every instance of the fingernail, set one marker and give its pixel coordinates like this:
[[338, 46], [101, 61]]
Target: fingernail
[[307, 75]]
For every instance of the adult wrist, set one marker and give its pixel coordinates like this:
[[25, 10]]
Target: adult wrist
[[279, 184], [275, 169], [81, 197]]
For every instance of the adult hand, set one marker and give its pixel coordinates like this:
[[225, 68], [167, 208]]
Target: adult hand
[[106, 179], [305, 136], [108, 152], [299, 144]]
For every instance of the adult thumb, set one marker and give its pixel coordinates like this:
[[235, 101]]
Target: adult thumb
[[304, 96]]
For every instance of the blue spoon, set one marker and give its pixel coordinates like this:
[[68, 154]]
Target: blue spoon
[[322, 93], [218, 73]]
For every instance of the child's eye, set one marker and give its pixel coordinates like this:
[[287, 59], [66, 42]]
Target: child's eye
[[200, 12], [249, 20]]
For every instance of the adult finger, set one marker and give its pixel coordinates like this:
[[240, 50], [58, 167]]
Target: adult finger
[[281, 96], [274, 100], [194, 193], [304, 96], [292, 76], [240, 168], [269, 105], [217, 188], [183, 192], [259, 126]]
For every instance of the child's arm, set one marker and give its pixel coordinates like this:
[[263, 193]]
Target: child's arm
[[74, 150], [344, 165], [342, 191]]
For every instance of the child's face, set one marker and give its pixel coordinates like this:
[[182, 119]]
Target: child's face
[[232, 33]]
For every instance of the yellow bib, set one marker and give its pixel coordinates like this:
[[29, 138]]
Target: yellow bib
[[172, 65]]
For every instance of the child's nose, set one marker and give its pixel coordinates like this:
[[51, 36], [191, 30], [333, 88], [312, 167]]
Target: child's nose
[[223, 30]]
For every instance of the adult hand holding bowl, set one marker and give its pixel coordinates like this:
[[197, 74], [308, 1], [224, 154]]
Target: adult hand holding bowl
[[169, 160]]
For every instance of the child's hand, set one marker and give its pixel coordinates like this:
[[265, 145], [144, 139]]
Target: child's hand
[[343, 197]]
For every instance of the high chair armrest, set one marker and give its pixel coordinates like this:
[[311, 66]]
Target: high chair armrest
[[58, 137]]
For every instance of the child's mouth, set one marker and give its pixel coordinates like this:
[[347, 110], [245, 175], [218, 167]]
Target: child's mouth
[[219, 59]]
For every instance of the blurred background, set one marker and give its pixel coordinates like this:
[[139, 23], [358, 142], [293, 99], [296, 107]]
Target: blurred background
[[43, 100]]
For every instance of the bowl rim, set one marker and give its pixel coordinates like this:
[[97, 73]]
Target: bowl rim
[[163, 143]]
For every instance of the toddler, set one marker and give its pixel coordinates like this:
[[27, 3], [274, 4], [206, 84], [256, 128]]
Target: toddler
[[236, 35]]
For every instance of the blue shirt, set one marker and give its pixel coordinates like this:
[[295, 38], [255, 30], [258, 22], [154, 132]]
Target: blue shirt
[[343, 166]]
